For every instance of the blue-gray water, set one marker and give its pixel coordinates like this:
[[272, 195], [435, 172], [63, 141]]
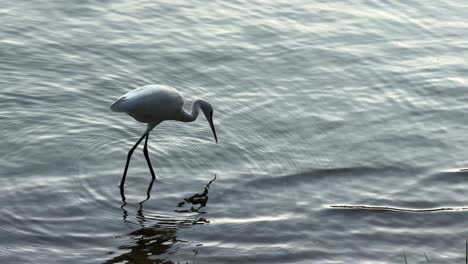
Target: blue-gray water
[[324, 110]]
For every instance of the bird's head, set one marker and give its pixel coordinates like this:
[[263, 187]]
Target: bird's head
[[207, 110]]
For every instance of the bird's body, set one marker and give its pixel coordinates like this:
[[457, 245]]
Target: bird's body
[[153, 104]]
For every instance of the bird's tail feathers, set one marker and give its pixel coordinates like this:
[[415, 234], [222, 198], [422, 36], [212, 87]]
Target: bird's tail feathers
[[119, 105]]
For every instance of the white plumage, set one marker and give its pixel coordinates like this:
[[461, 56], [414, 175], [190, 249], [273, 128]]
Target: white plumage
[[153, 104]]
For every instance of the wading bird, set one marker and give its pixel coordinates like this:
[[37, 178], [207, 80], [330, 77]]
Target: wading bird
[[153, 104]]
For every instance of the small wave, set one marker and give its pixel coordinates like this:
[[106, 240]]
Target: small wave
[[397, 209], [451, 175], [315, 174]]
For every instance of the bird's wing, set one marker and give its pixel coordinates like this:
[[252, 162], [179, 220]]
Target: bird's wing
[[127, 101], [150, 99]]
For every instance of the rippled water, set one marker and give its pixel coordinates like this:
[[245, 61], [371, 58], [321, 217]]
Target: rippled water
[[342, 132]]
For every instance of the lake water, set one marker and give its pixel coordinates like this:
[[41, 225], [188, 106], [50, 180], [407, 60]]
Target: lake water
[[342, 127]]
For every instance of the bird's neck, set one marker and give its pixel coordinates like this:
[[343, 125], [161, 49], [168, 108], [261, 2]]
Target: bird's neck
[[190, 117]]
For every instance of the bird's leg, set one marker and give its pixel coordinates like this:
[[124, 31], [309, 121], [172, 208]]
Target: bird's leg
[[145, 151], [122, 182], [148, 195]]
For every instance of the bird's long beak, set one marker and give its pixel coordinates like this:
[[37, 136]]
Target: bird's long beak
[[212, 127]]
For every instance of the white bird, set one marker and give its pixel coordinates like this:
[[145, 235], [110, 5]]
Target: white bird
[[153, 104]]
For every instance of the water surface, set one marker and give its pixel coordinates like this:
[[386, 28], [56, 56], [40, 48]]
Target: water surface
[[342, 132]]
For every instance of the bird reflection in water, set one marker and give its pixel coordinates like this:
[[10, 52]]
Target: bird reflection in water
[[198, 199], [152, 243], [140, 211]]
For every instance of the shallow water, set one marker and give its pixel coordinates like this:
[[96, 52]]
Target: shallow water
[[342, 132]]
